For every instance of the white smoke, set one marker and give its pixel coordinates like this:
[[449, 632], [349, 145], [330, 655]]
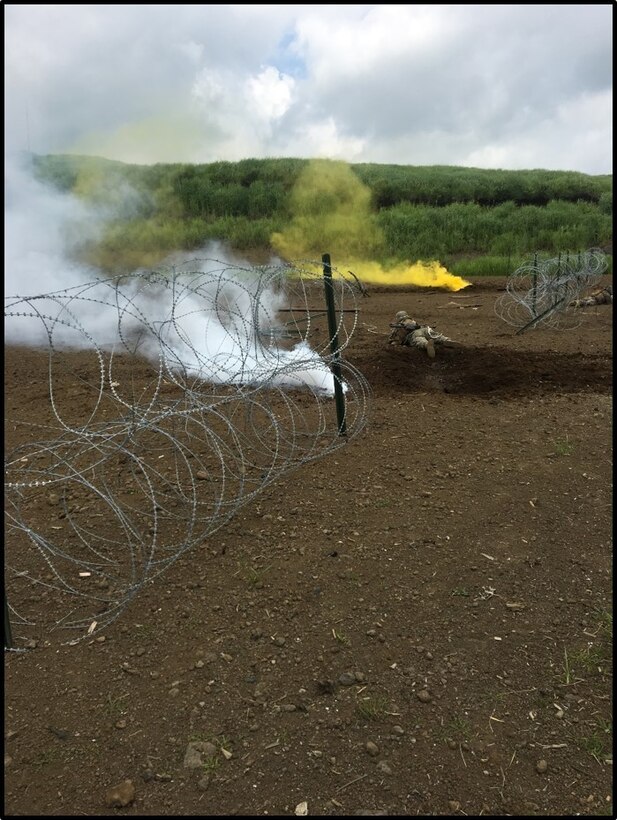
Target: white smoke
[[38, 224], [219, 326]]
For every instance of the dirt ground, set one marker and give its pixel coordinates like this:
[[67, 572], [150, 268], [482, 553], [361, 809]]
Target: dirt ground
[[417, 624]]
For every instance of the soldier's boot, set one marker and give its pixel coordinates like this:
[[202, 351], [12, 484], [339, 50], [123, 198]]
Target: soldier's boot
[[443, 340]]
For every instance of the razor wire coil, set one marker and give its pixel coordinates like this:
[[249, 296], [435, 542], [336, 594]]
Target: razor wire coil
[[172, 398], [545, 292]]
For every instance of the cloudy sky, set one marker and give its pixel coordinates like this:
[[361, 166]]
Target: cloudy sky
[[490, 86]]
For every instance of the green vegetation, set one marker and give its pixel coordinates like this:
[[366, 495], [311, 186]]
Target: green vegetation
[[381, 503], [45, 757], [456, 732], [254, 576], [596, 657], [114, 706], [211, 764], [563, 447], [604, 624], [458, 729], [373, 708], [597, 743], [474, 221], [501, 230]]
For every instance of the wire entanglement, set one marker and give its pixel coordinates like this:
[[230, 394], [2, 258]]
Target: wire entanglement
[[169, 400], [543, 293]]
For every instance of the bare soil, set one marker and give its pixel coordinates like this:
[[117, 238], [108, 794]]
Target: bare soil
[[419, 624]]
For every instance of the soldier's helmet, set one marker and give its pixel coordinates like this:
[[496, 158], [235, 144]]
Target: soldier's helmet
[[401, 315]]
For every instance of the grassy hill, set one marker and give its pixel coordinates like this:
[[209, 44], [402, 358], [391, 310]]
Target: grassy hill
[[473, 220]]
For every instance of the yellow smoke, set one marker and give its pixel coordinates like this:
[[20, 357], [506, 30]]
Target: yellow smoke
[[422, 274], [331, 214], [170, 137]]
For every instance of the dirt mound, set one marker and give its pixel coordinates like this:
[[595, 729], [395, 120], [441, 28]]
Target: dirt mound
[[485, 372]]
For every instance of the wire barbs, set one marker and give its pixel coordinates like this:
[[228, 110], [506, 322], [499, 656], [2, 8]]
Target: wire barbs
[[172, 401]]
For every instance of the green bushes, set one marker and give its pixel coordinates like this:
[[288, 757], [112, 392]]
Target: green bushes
[[468, 267], [440, 185], [414, 231], [433, 212]]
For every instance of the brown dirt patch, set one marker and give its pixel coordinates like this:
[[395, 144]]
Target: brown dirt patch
[[460, 547]]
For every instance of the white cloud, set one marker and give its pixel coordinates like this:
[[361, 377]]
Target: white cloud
[[322, 139], [556, 142], [270, 93], [354, 46], [418, 84]]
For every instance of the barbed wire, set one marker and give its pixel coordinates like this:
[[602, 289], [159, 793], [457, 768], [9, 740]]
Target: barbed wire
[[544, 292], [170, 399]]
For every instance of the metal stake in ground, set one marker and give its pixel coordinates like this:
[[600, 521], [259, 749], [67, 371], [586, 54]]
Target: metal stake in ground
[[339, 396]]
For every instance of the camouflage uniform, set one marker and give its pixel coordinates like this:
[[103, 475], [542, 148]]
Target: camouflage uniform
[[406, 331], [599, 297]]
